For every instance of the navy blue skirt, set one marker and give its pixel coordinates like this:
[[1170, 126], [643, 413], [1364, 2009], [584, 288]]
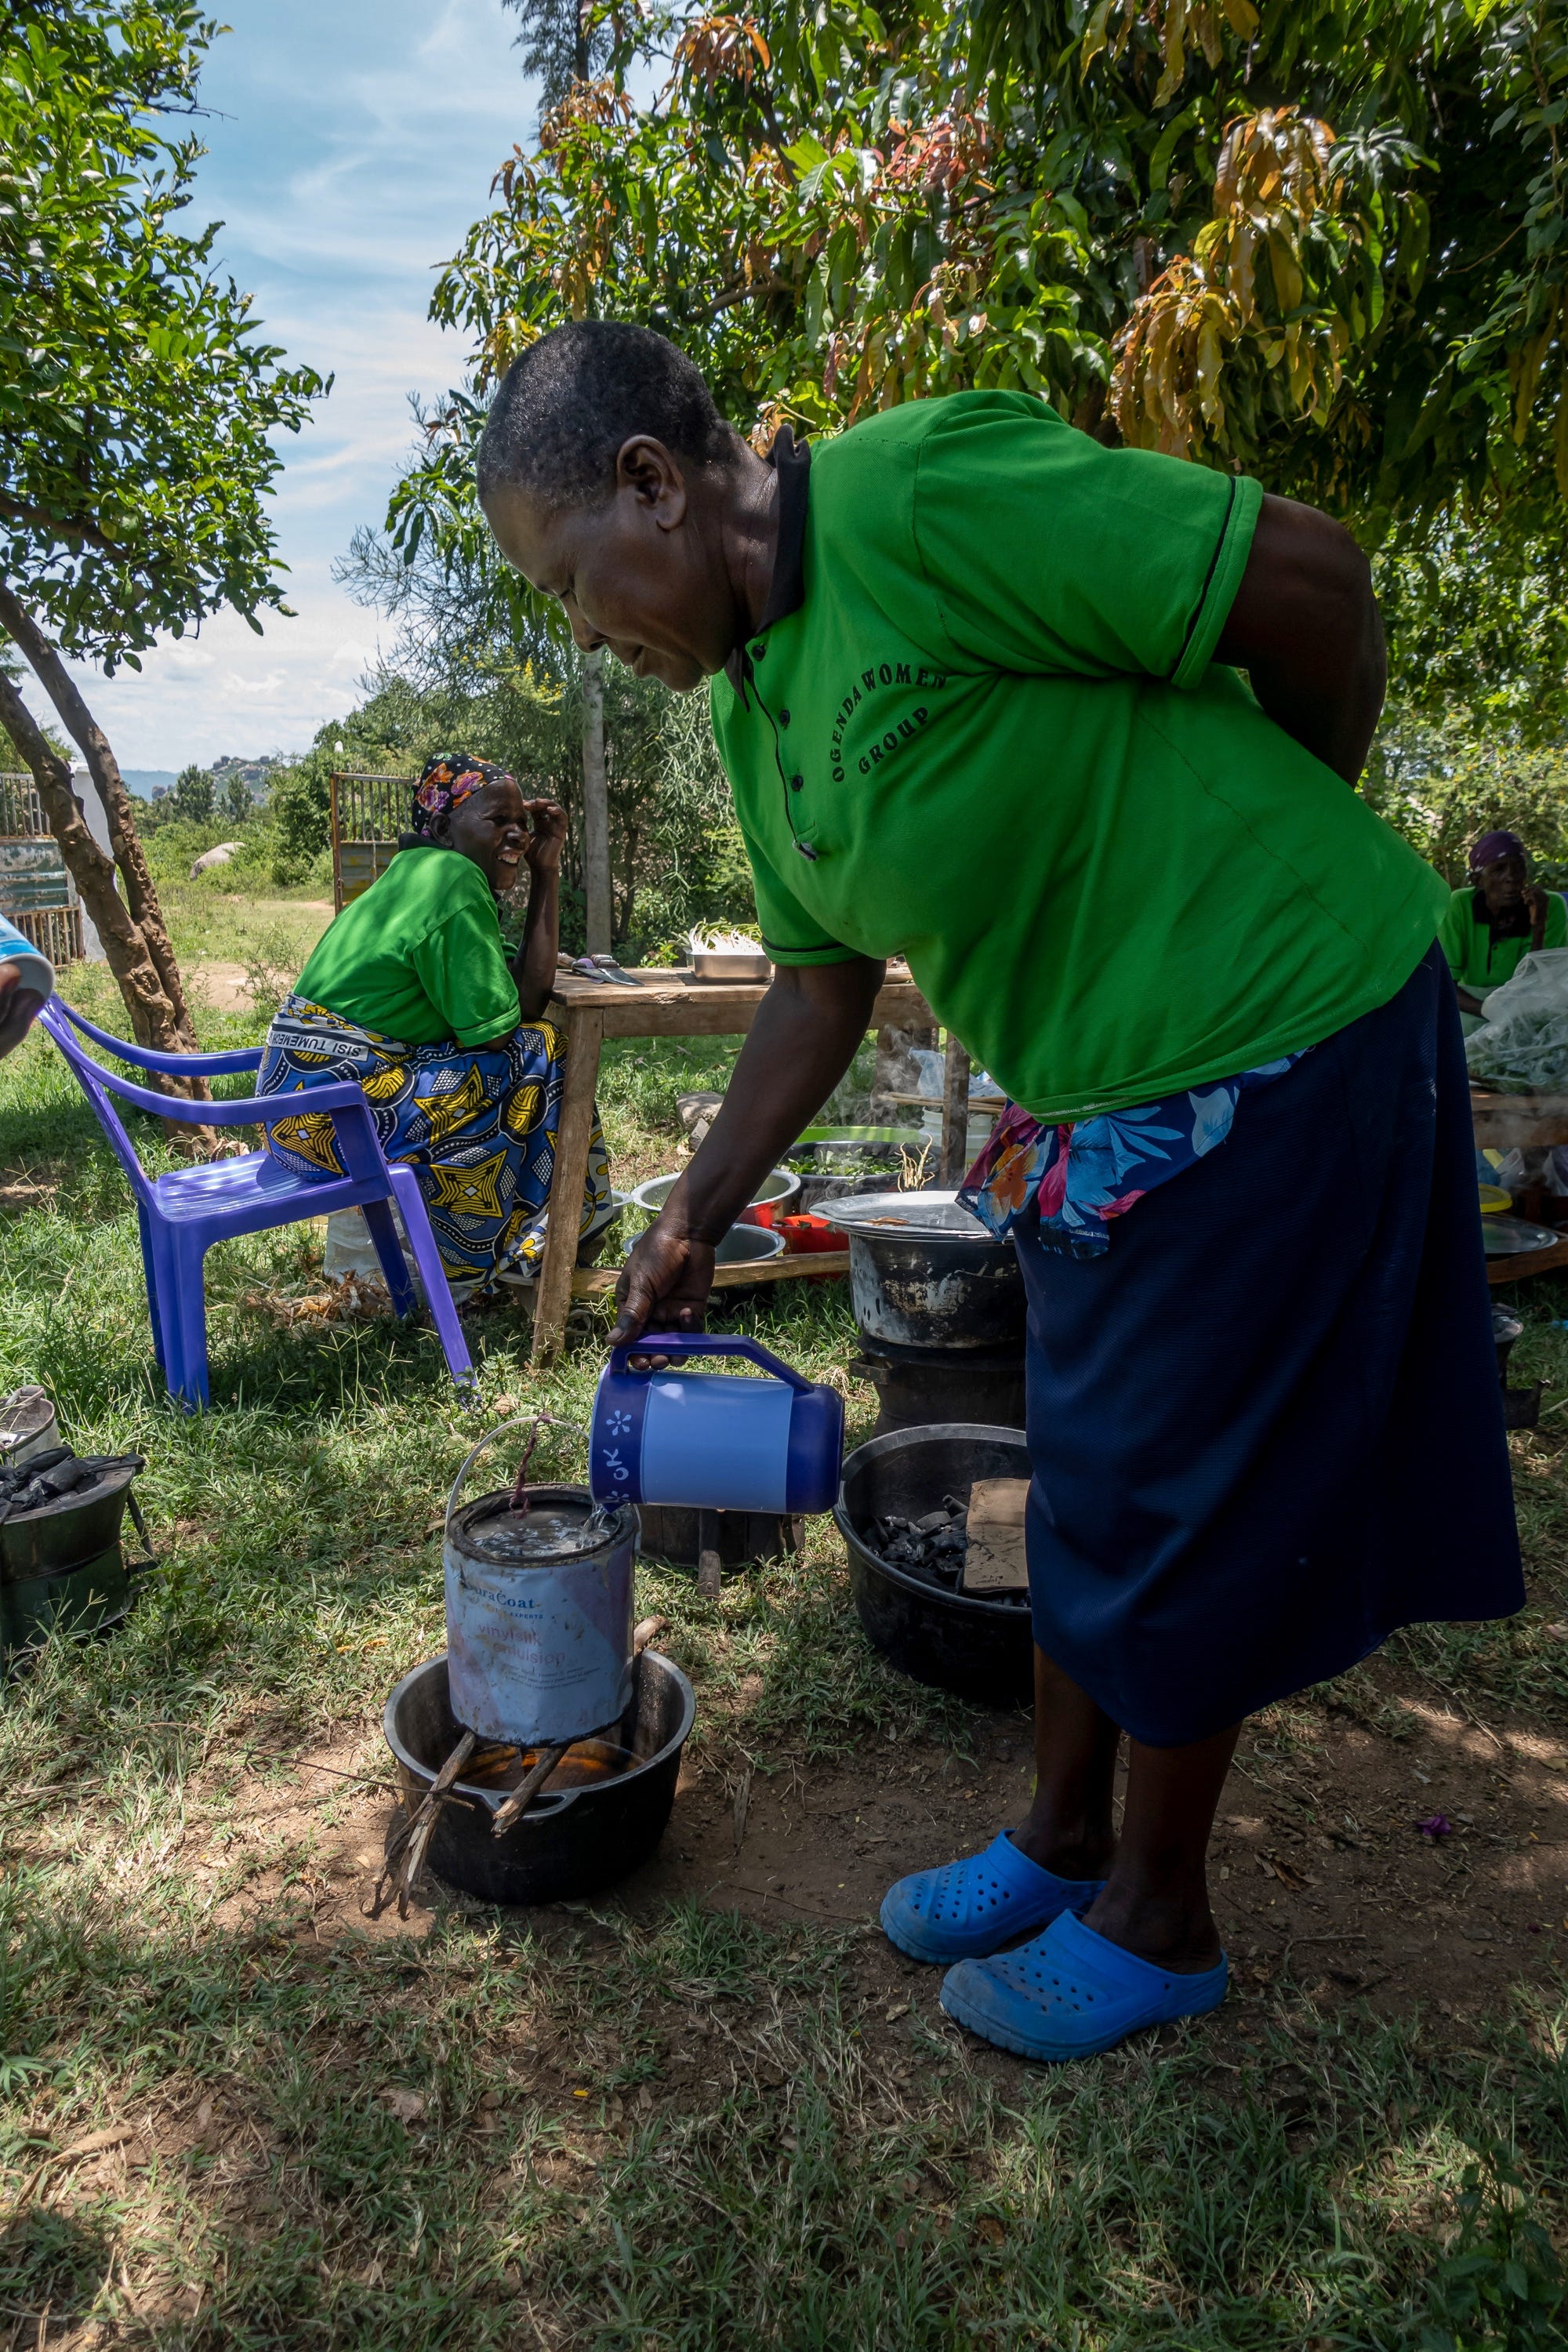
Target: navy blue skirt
[[1265, 1425]]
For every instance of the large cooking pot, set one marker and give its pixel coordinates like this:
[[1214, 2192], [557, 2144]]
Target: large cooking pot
[[923, 1273]]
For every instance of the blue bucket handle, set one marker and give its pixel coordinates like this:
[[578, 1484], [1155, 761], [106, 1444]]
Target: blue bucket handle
[[707, 1343]]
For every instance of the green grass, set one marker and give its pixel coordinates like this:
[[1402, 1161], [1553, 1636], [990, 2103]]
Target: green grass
[[358, 2140]]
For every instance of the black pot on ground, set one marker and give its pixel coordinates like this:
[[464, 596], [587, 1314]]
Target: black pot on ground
[[975, 1644], [569, 1843], [742, 1537]]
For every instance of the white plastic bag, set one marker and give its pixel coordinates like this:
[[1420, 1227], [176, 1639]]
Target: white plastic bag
[[1523, 1041]]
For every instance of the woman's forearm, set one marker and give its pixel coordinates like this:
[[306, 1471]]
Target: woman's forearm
[[806, 1035], [533, 967]]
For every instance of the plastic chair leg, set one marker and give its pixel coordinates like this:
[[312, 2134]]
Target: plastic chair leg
[[433, 1275], [150, 1278], [164, 1292], [383, 1226], [191, 1313]]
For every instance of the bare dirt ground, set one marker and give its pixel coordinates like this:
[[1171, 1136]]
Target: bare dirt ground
[[1321, 1868]]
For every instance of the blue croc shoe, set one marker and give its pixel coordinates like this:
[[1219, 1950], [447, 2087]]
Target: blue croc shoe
[[1071, 1994], [966, 1909]]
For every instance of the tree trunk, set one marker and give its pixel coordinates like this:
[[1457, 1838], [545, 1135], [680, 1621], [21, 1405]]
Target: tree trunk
[[125, 950], [104, 769], [595, 809]]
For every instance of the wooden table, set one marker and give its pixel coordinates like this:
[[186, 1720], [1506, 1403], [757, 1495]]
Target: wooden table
[[663, 1005]]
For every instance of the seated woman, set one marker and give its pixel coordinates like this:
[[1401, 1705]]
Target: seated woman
[[1489, 926], [410, 992]]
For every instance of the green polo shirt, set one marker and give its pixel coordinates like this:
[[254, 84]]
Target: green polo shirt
[[418, 956], [1481, 962], [981, 725]]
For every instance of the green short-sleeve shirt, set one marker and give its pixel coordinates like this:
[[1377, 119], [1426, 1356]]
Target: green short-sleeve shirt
[[987, 732], [418, 956], [1481, 962]]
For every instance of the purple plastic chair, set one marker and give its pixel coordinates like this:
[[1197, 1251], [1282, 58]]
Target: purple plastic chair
[[182, 1214]]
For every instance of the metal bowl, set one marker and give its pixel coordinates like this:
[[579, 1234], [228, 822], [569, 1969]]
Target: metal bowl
[[570, 1842], [974, 1644], [783, 1184], [730, 963]]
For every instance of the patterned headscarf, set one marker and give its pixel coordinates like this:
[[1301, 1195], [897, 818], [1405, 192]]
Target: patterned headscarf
[[447, 779], [1495, 845]]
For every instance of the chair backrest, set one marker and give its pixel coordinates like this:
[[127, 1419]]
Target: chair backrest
[[142, 1057], [91, 1078], [353, 1129]]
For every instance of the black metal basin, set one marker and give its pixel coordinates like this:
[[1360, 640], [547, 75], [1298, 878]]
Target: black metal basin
[[571, 1842], [975, 1644]]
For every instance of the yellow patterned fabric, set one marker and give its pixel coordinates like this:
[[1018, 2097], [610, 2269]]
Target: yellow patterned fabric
[[478, 1124]]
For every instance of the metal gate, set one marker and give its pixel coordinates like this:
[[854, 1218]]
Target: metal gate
[[37, 892], [368, 814]]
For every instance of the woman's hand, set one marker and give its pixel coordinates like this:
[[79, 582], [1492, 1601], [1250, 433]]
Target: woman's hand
[[665, 1281], [1535, 906], [546, 843]]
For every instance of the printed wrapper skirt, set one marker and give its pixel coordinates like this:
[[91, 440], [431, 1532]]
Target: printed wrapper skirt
[[1265, 1424], [478, 1125]]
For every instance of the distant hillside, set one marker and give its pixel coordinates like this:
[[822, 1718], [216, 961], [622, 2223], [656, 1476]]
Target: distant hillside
[[145, 781]]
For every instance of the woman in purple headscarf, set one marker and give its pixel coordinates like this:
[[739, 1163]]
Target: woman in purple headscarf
[[411, 992], [1499, 916]]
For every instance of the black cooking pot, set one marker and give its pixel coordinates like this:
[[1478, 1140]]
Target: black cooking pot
[[569, 1843], [923, 1273], [919, 1386], [978, 1644], [742, 1539]]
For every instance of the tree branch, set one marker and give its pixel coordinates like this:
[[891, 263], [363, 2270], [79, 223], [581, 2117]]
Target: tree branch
[[104, 769], [93, 872], [39, 517]]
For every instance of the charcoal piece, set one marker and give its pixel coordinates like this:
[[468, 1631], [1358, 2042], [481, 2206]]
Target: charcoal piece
[[48, 1460], [66, 1477], [30, 1497], [932, 1522]]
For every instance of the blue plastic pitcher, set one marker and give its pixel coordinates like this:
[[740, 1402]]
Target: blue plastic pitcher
[[707, 1441]]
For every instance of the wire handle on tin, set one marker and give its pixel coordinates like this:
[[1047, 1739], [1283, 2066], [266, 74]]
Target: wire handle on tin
[[532, 1422]]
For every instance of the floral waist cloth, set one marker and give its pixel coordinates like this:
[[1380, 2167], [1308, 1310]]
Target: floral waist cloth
[[1085, 1171]]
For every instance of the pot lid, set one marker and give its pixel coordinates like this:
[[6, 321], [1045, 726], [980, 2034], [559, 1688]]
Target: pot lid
[[907, 1217]]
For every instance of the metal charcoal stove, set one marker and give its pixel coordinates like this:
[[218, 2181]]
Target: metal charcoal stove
[[899, 1513], [62, 1556], [919, 1386]]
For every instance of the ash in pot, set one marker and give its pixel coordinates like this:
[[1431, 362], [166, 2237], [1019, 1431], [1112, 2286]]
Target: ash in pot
[[58, 1472], [934, 1548]]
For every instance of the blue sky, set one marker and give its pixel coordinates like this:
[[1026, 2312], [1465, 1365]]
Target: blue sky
[[351, 143]]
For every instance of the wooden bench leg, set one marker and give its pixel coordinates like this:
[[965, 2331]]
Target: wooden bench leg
[[553, 1294]]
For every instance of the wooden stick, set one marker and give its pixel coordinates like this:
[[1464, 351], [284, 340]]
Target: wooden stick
[[574, 1132], [528, 1788], [599, 1281], [710, 1576], [405, 1857]]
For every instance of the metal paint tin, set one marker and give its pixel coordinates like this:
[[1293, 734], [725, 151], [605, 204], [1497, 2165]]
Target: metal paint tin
[[539, 1616]]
